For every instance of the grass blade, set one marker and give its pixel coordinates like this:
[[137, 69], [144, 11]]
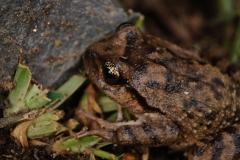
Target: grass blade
[[16, 96]]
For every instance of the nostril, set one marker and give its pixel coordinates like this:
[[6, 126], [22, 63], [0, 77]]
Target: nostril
[[91, 54]]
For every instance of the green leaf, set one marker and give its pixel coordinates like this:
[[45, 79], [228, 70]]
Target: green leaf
[[224, 7], [86, 143], [35, 98], [42, 129], [107, 104], [55, 96], [102, 154], [140, 21], [46, 125], [126, 114], [54, 115], [16, 96], [68, 88], [235, 47]]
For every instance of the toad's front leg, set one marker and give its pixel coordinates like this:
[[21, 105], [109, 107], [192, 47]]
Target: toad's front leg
[[164, 132]]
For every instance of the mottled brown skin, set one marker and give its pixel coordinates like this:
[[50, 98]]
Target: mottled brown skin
[[181, 100]]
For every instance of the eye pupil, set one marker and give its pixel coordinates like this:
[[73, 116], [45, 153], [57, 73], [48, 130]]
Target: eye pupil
[[110, 73]]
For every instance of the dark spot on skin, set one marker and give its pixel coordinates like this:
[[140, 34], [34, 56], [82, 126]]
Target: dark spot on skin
[[218, 82], [215, 142], [141, 66], [200, 77], [126, 135], [163, 62], [234, 132], [187, 60], [229, 108], [202, 63], [207, 100], [186, 83], [206, 141], [149, 131], [173, 62], [217, 147], [198, 108], [190, 116], [211, 116], [199, 86], [198, 151], [173, 131], [172, 85], [191, 72], [231, 69], [231, 88], [107, 49], [166, 62], [196, 78], [153, 84], [188, 104], [209, 126], [160, 51], [237, 113], [148, 49], [130, 132], [131, 38], [227, 119], [232, 100], [238, 92], [128, 51], [217, 95]]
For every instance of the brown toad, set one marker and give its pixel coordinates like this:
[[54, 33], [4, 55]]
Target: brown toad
[[180, 100]]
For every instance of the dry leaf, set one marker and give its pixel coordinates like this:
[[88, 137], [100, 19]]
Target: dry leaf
[[92, 100], [35, 142], [89, 105], [129, 156], [19, 133], [71, 124]]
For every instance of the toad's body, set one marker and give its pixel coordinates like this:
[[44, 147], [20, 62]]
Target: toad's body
[[181, 100]]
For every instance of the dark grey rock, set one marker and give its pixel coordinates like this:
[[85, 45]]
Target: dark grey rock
[[49, 36]]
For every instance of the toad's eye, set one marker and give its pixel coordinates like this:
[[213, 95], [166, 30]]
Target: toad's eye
[[110, 73]]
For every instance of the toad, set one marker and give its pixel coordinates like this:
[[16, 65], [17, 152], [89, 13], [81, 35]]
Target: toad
[[180, 100]]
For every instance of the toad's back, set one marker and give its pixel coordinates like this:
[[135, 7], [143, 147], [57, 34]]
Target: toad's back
[[192, 93]]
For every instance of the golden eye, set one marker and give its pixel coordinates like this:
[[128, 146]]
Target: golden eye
[[110, 73]]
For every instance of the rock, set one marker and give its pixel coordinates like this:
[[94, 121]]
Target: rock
[[49, 36]]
